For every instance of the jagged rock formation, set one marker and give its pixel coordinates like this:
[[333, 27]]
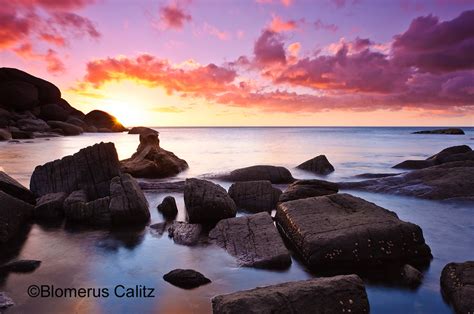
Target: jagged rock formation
[[255, 196], [13, 214], [319, 164], [15, 189], [457, 285], [308, 188]]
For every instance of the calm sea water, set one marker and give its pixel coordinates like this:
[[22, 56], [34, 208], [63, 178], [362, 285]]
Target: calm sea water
[[82, 257]]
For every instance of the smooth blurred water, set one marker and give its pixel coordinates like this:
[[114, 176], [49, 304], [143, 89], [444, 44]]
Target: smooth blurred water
[[80, 257]]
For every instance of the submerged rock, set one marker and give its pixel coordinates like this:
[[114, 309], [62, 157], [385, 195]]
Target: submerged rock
[[339, 294], [152, 161], [185, 233], [186, 278], [207, 202], [50, 206], [13, 215], [261, 172], [343, 231], [319, 164], [20, 266], [308, 188], [168, 207], [255, 196], [450, 154], [15, 188], [253, 240], [451, 131], [457, 286], [103, 120], [5, 301], [411, 276]]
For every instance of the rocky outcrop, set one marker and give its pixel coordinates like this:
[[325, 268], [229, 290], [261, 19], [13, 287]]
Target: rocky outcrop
[[451, 131], [98, 192], [319, 165], [50, 206], [168, 207], [308, 188], [142, 130], [13, 215], [207, 202], [450, 154], [343, 231], [66, 128], [32, 125], [339, 294], [15, 189], [452, 180], [258, 173], [253, 240], [20, 266], [152, 161], [185, 233], [103, 120], [186, 278], [457, 286], [254, 196]]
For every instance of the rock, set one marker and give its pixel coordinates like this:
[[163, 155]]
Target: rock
[[13, 215], [15, 189], [452, 180], [50, 206], [273, 174], [18, 95], [168, 207], [207, 202], [95, 212], [452, 131], [152, 161], [411, 276], [339, 294], [253, 240], [375, 175], [21, 135], [186, 278], [33, 125], [184, 233], [53, 112], [319, 164], [20, 266], [457, 286], [5, 301], [163, 187], [254, 196], [77, 122], [5, 135], [308, 188], [142, 130], [68, 129], [454, 153], [160, 227], [342, 231], [101, 119]]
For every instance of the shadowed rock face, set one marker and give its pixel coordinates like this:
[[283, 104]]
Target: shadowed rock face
[[13, 214], [186, 278], [261, 172], [15, 189], [50, 206], [253, 240], [254, 196], [103, 120], [308, 188], [343, 231], [319, 164], [152, 161], [452, 131], [450, 154], [339, 294], [457, 284]]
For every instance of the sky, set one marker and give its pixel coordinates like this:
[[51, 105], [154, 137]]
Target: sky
[[251, 63]]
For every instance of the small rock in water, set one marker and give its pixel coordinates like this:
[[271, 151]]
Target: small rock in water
[[411, 276], [186, 278], [168, 208], [5, 301], [319, 164], [20, 266], [185, 233]]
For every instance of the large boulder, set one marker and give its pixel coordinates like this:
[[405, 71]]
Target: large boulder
[[319, 165], [308, 188], [101, 119], [207, 202], [186, 278], [185, 233], [253, 240], [255, 196], [260, 172], [339, 294], [342, 231], [454, 153], [18, 95], [457, 286], [13, 215], [33, 125], [152, 161], [66, 128], [50, 206], [451, 131], [452, 180], [59, 111], [15, 188]]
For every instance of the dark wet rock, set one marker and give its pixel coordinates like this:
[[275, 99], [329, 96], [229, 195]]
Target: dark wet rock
[[411, 276], [308, 188], [162, 187], [185, 233], [450, 154], [77, 122], [452, 180], [20, 266], [5, 135], [253, 240], [152, 161], [33, 125], [15, 188], [50, 206], [142, 130], [13, 215], [207, 202], [339, 294], [21, 135], [66, 128], [451, 131], [186, 278], [261, 172], [254, 196], [343, 231], [168, 207], [375, 175], [457, 286], [5, 301], [53, 112], [18, 95], [101, 119], [319, 164]]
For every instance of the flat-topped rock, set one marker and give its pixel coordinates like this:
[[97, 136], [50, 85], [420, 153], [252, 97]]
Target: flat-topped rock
[[253, 240], [344, 231], [261, 172], [450, 131], [339, 294], [207, 202], [308, 188], [11, 186], [457, 286], [13, 215], [142, 130], [185, 233], [255, 196], [319, 164], [450, 154], [186, 278]]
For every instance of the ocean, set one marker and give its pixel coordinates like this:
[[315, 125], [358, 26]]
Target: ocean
[[99, 258]]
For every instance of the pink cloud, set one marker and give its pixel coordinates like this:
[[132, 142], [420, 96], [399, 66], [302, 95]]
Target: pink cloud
[[278, 25], [79, 26], [55, 4], [214, 31], [54, 64], [269, 49], [174, 16]]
